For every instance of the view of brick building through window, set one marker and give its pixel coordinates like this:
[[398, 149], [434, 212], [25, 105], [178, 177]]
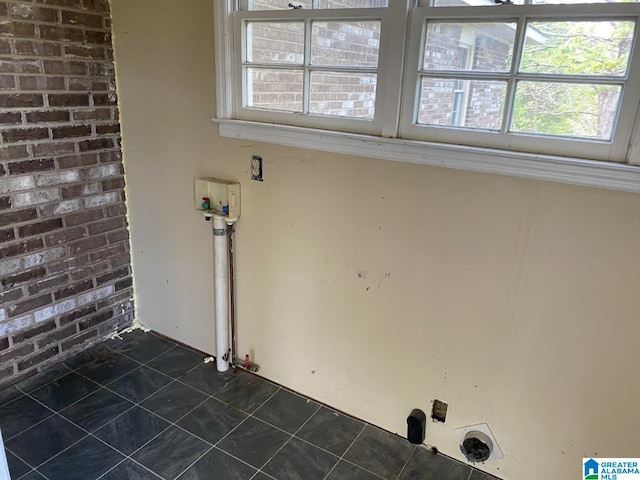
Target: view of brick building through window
[[468, 69], [65, 269], [343, 56]]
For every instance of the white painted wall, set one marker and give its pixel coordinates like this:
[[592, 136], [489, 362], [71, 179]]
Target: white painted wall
[[376, 286]]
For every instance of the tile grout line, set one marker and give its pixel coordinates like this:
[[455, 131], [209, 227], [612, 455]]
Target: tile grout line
[[215, 445], [345, 452], [90, 434], [292, 435], [407, 462]]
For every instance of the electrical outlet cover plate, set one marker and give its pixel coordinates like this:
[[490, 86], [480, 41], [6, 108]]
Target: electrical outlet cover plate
[[496, 453]]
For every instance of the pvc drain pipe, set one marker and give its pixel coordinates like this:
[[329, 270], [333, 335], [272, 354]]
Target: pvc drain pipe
[[221, 291]]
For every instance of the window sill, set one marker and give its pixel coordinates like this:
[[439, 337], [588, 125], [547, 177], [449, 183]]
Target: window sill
[[571, 171]]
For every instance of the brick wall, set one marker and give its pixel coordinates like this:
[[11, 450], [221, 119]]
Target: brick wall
[[65, 272]]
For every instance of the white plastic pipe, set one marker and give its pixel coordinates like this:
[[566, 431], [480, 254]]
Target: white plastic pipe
[[221, 291]]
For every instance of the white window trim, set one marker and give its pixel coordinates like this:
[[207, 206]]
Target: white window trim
[[584, 172]]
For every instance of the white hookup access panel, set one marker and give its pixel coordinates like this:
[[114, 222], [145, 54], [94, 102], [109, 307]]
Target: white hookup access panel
[[214, 196]]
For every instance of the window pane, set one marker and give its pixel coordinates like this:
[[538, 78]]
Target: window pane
[[274, 89], [277, 4], [461, 103], [351, 44], [277, 42], [353, 3], [467, 3], [583, 1], [565, 109], [323, 4], [578, 48], [480, 47], [343, 94]]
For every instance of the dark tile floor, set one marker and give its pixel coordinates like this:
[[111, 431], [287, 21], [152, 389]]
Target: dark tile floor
[[145, 408]]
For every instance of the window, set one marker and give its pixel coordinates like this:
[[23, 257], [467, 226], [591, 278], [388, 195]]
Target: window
[[532, 76]]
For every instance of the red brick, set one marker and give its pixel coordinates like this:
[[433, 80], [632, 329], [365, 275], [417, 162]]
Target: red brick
[[29, 12], [61, 34], [25, 134], [5, 47], [18, 216], [55, 67], [40, 357], [49, 116], [34, 332], [113, 275], [87, 245], [80, 83], [22, 277], [115, 210], [36, 287], [40, 227], [9, 118], [7, 82], [13, 152], [122, 284], [7, 235], [20, 248], [5, 203], [105, 99], [68, 100], [77, 4], [92, 114], [42, 83], [79, 339], [29, 166], [84, 19], [95, 268], [118, 236], [65, 236], [95, 320], [73, 131], [121, 260], [75, 315], [83, 217], [11, 295], [57, 335], [16, 352], [106, 225], [107, 253], [80, 190], [101, 69], [112, 184], [98, 38], [84, 51], [49, 148], [20, 100], [77, 161], [96, 5], [17, 29], [29, 304], [98, 144], [107, 129], [72, 290], [37, 49]]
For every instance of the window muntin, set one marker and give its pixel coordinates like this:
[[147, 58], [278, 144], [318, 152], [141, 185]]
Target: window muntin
[[257, 5], [303, 62], [499, 125]]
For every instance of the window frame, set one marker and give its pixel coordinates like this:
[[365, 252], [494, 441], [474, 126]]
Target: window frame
[[615, 150], [556, 168]]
